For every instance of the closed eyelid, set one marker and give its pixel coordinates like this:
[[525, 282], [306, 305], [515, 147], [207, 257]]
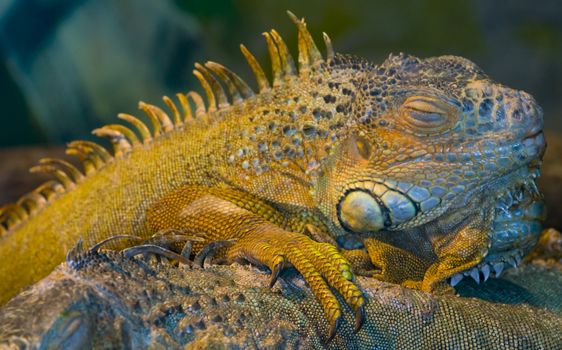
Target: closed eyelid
[[427, 105], [426, 115]]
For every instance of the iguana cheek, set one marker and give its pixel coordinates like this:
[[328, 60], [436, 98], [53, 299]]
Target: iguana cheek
[[362, 212]]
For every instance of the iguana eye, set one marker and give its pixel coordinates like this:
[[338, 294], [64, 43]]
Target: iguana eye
[[427, 115]]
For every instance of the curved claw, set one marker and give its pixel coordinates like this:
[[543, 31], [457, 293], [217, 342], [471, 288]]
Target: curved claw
[[151, 248], [208, 251], [186, 250], [333, 328], [276, 272], [95, 248], [75, 251], [359, 318]]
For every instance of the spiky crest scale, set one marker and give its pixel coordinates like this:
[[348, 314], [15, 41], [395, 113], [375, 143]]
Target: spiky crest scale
[[139, 125], [159, 118], [232, 80], [275, 60], [175, 112], [93, 157], [187, 113], [231, 87], [121, 145], [200, 108], [329, 48], [211, 101], [287, 62], [309, 56], [59, 174], [156, 126], [74, 173], [31, 202], [216, 88], [89, 164]]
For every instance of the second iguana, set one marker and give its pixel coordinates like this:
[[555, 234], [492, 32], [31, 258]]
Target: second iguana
[[107, 300], [420, 171]]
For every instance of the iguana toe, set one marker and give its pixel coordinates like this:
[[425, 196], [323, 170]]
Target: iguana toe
[[210, 250], [276, 271], [154, 249], [96, 247]]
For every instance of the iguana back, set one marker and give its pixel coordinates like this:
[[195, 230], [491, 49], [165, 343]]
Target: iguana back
[[192, 144]]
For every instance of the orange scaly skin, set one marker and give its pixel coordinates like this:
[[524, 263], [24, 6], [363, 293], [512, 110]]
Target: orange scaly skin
[[408, 167]]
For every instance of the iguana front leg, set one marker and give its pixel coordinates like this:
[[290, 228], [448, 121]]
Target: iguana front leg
[[257, 228], [456, 248]]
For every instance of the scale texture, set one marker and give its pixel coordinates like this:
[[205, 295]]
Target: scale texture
[[106, 300], [417, 172]]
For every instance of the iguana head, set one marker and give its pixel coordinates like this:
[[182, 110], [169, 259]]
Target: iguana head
[[427, 135]]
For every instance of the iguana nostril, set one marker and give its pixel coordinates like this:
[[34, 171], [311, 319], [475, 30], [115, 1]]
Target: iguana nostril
[[361, 213]]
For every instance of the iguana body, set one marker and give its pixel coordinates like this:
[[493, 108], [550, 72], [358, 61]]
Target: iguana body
[[423, 169]]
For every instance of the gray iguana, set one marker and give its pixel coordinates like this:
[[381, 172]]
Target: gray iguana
[[104, 299]]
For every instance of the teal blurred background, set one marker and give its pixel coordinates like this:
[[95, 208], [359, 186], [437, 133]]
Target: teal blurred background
[[68, 66]]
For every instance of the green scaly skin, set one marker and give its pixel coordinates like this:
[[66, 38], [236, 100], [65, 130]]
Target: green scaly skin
[[420, 170]]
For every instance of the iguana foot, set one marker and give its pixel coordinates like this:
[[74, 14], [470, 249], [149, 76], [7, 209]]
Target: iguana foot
[[236, 225], [163, 243], [397, 265], [320, 264], [206, 255]]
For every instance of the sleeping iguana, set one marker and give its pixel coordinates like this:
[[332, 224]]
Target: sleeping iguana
[[413, 171]]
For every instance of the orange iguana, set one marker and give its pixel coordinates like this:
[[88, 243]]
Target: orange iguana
[[414, 171]]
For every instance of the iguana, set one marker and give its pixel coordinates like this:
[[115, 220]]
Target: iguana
[[104, 299], [414, 171]]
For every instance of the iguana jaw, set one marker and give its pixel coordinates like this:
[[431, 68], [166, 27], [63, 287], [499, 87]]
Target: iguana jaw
[[518, 213], [511, 236], [517, 210]]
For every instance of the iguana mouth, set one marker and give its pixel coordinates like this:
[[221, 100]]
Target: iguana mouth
[[516, 227], [521, 192], [534, 139]]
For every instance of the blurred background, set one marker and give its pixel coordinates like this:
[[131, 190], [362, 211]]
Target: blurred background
[[68, 66]]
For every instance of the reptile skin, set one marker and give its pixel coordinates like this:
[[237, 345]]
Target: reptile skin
[[106, 300], [414, 171]]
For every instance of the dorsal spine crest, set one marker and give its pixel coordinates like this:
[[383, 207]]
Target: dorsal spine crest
[[213, 77]]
